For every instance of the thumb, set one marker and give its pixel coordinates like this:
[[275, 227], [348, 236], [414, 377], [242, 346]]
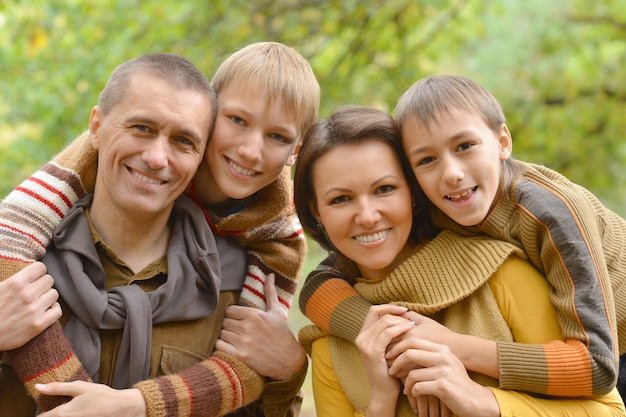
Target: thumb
[[271, 295]]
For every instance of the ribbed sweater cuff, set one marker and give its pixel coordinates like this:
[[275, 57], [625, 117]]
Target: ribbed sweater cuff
[[48, 357], [213, 387]]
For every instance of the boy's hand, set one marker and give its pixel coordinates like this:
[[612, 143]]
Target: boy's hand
[[28, 305], [262, 339]]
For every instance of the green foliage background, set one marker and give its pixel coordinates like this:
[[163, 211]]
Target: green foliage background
[[557, 67]]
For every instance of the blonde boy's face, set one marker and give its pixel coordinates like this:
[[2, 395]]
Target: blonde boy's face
[[457, 162], [253, 140]]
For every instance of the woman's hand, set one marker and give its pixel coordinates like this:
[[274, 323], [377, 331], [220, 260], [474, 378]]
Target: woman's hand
[[94, 400], [432, 370], [382, 325]]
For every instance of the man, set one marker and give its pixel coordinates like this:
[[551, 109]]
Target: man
[[135, 252]]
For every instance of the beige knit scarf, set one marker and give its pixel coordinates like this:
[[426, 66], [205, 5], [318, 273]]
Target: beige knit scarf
[[444, 280]]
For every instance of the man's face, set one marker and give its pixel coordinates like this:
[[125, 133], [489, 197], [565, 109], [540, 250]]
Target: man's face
[[254, 138], [149, 146]]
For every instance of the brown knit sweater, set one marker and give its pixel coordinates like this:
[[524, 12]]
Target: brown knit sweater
[[269, 228]]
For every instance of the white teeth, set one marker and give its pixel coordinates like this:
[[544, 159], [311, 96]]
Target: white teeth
[[456, 196], [374, 237], [239, 169], [146, 179]]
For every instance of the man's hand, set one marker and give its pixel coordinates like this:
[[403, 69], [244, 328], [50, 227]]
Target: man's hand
[[28, 305], [262, 339], [94, 400]]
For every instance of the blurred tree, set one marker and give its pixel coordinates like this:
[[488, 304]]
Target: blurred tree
[[556, 67]]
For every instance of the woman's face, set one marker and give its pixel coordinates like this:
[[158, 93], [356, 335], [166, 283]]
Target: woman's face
[[364, 203]]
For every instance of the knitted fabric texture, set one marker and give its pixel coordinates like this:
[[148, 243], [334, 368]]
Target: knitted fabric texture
[[28, 216], [230, 384], [585, 319], [271, 232], [580, 246], [446, 279], [269, 229]]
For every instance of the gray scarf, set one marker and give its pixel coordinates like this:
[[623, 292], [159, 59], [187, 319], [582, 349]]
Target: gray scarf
[[190, 292]]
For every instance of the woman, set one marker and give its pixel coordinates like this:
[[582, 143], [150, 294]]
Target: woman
[[356, 196]]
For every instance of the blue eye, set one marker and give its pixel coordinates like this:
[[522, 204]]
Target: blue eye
[[237, 120], [279, 138]]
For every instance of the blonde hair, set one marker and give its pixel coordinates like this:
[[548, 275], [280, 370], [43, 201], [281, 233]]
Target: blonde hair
[[281, 72]]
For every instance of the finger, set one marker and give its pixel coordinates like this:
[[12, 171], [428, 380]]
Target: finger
[[271, 295], [382, 309], [32, 272], [42, 284], [51, 315], [222, 346], [422, 405], [69, 389], [433, 406]]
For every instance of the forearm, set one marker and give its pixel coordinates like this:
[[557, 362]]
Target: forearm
[[557, 368], [28, 217], [213, 387], [31, 212], [477, 354], [333, 305]]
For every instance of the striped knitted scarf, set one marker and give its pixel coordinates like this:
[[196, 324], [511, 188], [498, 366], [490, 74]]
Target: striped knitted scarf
[[269, 229]]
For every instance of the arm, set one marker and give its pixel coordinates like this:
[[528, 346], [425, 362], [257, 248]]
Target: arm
[[571, 238], [272, 235], [279, 356], [28, 217], [213, 387], [332, 304]]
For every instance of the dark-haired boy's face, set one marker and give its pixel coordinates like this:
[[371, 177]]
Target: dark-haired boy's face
[[457, 162], [253, 140]]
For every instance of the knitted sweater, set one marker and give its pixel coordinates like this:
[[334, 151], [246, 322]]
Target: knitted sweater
[[269, 228], [452, 279], [569, 236]]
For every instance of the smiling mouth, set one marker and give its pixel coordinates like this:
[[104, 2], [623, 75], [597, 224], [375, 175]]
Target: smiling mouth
[[462, 196], [147, 180], [372, 238], [240, 170]]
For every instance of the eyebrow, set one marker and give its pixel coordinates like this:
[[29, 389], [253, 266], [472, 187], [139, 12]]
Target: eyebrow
[[185, 132], [452, 138], [372, 184]]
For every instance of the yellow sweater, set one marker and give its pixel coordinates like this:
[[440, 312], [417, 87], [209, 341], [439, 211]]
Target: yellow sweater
[[463, 303]]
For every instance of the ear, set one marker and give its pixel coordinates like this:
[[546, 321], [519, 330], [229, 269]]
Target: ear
[[294, 155], [94, 126], [505, 142]]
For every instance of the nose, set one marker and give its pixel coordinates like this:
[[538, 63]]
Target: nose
[[157, 153], [251, 148], [368, 214], [452, 171]]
